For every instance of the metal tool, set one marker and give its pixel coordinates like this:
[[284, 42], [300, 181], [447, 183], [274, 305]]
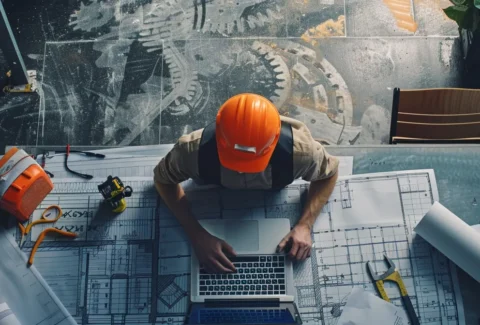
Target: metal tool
[[88, 154], [67, 152], [393, 275], [43, 219]]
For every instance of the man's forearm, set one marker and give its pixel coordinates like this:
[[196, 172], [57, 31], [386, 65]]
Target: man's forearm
[[318, 195], [176, 200]]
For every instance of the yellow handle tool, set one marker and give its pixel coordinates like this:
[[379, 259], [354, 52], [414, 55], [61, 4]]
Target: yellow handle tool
[[393, 275]]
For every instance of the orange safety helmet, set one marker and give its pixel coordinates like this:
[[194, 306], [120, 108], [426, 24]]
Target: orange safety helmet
[[247, 131]]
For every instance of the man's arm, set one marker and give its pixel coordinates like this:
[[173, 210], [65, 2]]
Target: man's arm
[[210, 250], [299, 238]]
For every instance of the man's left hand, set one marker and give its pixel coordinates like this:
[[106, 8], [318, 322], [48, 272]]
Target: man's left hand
[[300, 242]]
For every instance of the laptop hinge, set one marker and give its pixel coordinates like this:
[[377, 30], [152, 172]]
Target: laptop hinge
[[246, 301]]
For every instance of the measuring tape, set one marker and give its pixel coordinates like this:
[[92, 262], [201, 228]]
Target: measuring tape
[[114, 192]]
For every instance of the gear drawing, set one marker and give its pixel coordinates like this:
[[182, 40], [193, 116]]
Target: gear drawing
[[91, 16], [282, 75], [286, 72]]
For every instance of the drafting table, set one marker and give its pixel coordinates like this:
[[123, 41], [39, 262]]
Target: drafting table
[[456, 170]]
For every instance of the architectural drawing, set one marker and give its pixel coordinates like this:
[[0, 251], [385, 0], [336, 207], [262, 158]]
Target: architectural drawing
[[23, 288], [367, 216], [106, 276], [384, 208], [134, 268]]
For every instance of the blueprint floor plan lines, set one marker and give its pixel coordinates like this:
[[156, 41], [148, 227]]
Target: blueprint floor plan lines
[[108, 274], [345, 239], [366, 217], [134, 268], [346, 195]]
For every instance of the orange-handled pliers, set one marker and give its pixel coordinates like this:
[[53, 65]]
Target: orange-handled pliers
[[43, 219]]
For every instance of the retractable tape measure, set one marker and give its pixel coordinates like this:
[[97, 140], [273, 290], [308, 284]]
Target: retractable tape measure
[[114, 192], [23, 184]]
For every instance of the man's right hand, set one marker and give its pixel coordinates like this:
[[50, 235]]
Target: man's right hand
[[212, 253]]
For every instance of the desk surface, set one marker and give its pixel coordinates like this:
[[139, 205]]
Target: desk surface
[[456, 170]]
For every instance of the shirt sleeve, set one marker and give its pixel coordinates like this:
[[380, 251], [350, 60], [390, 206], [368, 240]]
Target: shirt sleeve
[[322, 165], [177, 165]]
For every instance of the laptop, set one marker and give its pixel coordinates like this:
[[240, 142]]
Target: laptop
[[260, 292]]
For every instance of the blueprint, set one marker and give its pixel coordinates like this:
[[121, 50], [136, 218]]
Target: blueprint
[[133, 268], [366, 217], [106, 275], [23, 289], [369, 216]]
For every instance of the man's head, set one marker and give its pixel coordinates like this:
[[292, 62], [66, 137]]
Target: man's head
[[247, 131]]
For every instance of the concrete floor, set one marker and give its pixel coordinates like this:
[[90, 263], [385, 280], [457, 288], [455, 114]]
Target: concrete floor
[[136, 72]]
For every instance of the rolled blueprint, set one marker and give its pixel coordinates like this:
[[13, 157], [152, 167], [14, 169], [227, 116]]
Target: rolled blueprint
[[453, 237], [6, 316]]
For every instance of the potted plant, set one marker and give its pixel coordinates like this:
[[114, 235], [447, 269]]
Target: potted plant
[[467, 15]]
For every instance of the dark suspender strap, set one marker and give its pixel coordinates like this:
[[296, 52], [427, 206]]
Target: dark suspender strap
[[282, 159], [208, 161]]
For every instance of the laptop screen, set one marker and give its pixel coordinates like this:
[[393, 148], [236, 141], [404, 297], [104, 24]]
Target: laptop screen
[[253, 312]]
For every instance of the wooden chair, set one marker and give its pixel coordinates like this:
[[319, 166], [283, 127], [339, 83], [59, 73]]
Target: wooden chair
[[443, 115]]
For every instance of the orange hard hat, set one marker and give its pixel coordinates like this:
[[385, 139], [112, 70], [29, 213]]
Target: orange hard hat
[[247, 131]]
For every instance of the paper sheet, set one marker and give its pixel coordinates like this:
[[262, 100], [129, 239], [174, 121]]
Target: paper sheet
[[28, 296], [364, 308], [6, 316], [453, 237], [345, 167]]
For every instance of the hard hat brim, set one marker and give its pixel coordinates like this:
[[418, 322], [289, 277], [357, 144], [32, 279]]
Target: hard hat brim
[[245, 162]]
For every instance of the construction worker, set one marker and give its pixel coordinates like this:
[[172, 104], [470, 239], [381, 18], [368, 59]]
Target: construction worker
[[249, 147]]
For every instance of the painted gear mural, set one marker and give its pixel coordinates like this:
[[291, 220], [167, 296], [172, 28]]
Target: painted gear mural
[[288, 73]]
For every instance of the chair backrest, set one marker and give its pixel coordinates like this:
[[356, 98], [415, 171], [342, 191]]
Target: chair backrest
[[435, 115]]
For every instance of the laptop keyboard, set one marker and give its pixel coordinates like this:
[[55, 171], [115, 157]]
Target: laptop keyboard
[[256, 275], [245, 316]]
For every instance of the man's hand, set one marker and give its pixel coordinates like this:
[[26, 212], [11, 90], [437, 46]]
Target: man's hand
[[211, 252], [299, 241]]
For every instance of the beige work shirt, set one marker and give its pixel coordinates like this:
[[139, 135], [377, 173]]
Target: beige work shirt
[[311, 162]]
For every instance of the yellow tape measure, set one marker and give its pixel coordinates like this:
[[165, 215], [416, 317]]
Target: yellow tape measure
[[114, 192]]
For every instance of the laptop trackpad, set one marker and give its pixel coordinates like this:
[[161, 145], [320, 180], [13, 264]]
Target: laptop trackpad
[[242, 235]]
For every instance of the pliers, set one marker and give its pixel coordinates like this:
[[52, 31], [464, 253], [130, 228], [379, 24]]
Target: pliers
[[393, 275]]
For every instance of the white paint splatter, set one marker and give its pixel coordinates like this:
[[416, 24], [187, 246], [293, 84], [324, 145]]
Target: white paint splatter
[[375, 126], [446, 49], [35, 56], [93, 15]]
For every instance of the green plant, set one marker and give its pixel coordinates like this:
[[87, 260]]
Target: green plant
[[465, 13]]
